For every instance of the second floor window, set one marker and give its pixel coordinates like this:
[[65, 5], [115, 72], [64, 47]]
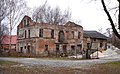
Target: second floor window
[[40, 32], [52, 33], [25, 33], [61, 36], [72, 34], [79, 35], [28, 33], [24, 23], [27, 22], [101, 44]]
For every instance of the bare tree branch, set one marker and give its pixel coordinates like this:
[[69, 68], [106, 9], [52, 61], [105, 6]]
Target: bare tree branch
[[110, 19], [16, 9], [3, 14], [46, 14]]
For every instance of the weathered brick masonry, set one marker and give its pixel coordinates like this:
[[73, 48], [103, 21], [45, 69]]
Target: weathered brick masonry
[[43, 38]]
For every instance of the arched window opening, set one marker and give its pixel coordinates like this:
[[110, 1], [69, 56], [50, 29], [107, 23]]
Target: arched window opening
[[61, 37]]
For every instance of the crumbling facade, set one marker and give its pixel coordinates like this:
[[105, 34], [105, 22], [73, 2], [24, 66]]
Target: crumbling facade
[[94, 41], [43, 38]]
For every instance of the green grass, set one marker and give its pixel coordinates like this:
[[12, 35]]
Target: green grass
[[6, 67], [7, 62], [106, 68], [113, 63]]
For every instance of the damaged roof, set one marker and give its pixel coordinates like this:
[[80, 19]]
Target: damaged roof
[[94, 34], [69, 23]]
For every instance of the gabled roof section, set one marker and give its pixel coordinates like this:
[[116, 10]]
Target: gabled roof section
[[69, 23], [94, 34], [21, 23]]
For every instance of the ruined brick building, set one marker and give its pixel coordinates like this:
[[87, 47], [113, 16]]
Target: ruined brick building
[[43, 38]]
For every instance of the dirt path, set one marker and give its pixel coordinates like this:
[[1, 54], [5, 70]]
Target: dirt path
[[58, 63]]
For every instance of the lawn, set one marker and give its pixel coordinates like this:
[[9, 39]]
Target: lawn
[[7, 67]]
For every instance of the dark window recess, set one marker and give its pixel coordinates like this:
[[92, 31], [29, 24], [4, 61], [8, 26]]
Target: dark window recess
[[79, 47], [101, 44], [25, 47], [94, 40], [27, 22], [46, 47], [61, 37], [72, 47], [72, 34], [28, 33], [28, 49], [17, 32], [25, 34], [52, 33], [40, 32], [64, 48], [24, 23], [88, 45], [79, 34], [108, 46], [57, 47], [21, 49]]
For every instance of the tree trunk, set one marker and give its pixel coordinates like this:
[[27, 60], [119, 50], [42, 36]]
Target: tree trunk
[[10, 32]]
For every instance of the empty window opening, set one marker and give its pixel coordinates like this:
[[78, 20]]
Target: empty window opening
[[57, 47], [72, 47], [52, 33], [40, 32], [72, 34], [25, 33], [101, 44], [61, 37], [21, 49], [27, 22], [28, 49], [28, 33], [79, 34]]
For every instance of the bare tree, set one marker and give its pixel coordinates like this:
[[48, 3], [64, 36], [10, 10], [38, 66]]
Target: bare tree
[[16, 10], [107, 11], [3, 14], [47, 14], [110, 18], [4, 33]]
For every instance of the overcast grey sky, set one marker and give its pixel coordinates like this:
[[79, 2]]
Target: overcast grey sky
[[90, 14]]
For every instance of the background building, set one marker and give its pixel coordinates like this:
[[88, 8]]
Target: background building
[[6, 43], [94, 41]]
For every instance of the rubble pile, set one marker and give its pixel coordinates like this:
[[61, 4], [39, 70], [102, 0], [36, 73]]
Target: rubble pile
[[109, 53]]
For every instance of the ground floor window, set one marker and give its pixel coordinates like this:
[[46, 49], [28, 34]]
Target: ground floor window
[[64, 48], [72, 47], [28, 49], [21, 49], [79, 47], [57, 48], [46, 47], [101, 44], [73, 51]]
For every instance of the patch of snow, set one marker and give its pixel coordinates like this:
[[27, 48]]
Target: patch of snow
[[75, 56], [97, 54], [105, 54], [109, 53]]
